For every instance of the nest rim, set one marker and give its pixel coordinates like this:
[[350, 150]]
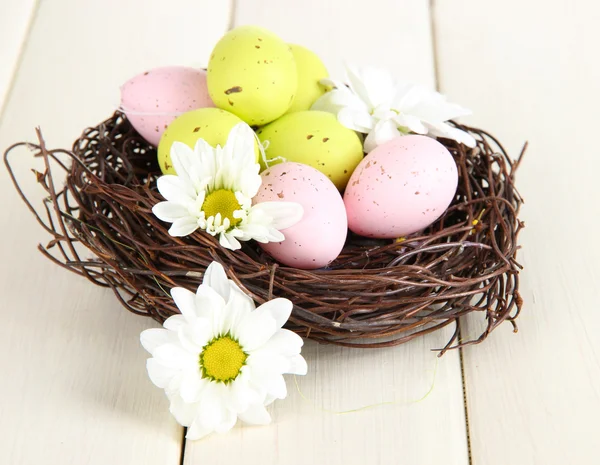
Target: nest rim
[[394, 291]]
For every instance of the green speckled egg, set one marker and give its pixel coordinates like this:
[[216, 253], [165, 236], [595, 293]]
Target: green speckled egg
[[310, 71], [252, 73], [211, 124], [314, 138]]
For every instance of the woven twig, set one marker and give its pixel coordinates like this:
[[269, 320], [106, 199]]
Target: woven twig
[[376, 293]]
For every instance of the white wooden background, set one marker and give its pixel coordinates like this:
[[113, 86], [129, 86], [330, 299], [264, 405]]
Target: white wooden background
[[74, 388]]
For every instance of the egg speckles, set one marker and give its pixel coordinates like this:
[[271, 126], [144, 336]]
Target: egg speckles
[[211, 124], [252, 73], [401, 187], [320, 235], [153, 99], [314, 138]]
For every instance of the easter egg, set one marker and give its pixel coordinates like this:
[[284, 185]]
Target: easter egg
[[314, 138], [310, 70], [252, 73], [211, 124], [401, 187], [319, 237], [152, 100]]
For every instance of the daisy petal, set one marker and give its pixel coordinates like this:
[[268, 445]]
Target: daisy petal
[[175, 322], [256, 415], [191, 386], [216, 278], [411, 122], [183, 227], [241, 394], [379, 85], [181, 157], [276, 386], [229, 420], [175, 189], [184, 413], [197, 431], [239, 306], [283, 214], [170, 211], [211, 410], [279, 309], [356, 119], [357, 85], [269, 399], [160, 374], [241, 144], [449, 132], [255, 330], [285, 342], [298, 365], [186, 302], [175, 356], [155, 337], [265, 364], [229, 242], [384, 131], [208, 302]]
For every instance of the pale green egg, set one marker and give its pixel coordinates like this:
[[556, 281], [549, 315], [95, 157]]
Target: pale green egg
[[211, 124], [252, 73], [314, 138], [310, 71]]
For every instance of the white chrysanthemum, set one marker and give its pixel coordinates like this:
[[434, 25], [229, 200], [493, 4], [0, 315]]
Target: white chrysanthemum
[[213, 191], [376, 105], [222, 358]]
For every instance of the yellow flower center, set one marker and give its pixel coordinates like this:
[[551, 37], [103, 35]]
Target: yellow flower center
[[221, 201], [222, 359]]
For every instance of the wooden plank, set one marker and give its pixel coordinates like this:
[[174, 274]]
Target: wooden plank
[[385, 33], [74, 385], [14, 24], [528, 74], [340, 379]]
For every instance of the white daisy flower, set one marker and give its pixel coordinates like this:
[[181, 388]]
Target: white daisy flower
[[222, 358], [213, 191], [382, 108]]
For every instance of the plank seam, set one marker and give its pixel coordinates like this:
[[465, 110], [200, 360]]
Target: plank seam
[[434, 47], [232, 12], [183, 443], [13, 77], [464, 391]]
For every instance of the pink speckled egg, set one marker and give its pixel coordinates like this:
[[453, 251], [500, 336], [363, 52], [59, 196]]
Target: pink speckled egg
[[321, 233], [401, 187], [152, 100]]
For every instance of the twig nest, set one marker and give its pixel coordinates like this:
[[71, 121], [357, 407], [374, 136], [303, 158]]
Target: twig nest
[[378, 292]]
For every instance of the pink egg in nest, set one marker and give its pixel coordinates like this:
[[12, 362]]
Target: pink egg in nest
[[401, 187], [320, 235], [152, 100]]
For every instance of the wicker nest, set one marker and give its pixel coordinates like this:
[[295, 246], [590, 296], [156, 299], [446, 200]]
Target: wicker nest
[[376, 293]]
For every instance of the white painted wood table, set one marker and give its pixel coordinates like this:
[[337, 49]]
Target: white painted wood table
[[74, 388]]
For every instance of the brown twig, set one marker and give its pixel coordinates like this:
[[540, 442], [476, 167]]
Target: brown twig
[[377, 293]]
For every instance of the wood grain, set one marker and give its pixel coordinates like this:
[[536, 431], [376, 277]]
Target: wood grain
[[14, 24], [534, 397], [392, 34], [74, 389], [384, 33]]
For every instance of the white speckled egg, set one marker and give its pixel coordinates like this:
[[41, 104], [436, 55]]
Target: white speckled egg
[[401, 187], [152, 100], [321, 233]]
